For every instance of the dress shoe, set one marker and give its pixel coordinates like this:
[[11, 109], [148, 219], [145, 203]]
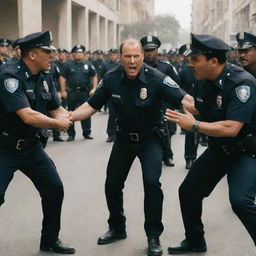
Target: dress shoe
[[110, 139], [88, 137], [185, 248], [168, 161], [57, 247], [58, 138], [189, 163], [70, 138], [154, 247], [111, 236]]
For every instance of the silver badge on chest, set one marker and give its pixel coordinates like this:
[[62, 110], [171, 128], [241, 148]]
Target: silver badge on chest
[[46, 87], [143, 93], [219, 101]]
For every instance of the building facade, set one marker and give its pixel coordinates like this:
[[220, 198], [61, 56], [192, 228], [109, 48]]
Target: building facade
[[94, 23], [223, 18]]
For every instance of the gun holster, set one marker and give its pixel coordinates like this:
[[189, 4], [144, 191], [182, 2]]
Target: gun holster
[[248, 145]]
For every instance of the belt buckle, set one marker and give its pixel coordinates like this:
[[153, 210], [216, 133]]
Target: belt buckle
[[134, 136], [225, 149], [19, 144]]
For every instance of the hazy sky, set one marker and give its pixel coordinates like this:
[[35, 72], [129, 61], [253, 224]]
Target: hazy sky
[[180, 8]]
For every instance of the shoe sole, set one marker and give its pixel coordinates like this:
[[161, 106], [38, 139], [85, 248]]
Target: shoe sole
[[155, 254], [56, 251], [184, 252]]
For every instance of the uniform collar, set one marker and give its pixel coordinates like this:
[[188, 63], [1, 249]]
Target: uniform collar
[[220, 80], [141, 75], [24, 69]]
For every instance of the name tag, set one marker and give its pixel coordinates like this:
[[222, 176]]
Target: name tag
[[116, 96]]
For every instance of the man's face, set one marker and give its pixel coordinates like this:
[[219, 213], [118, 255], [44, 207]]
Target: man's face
[[132, 59], [78, 56], [247, 57], [4, 51], [62, 56], [113, 56], [201, 67], [150, 55], [42, 59]]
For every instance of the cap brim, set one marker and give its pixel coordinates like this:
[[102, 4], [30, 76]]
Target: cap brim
[[244, 46], [48, 47], [150, 47]]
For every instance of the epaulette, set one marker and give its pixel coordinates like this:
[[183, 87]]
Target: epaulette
[[236, 74]]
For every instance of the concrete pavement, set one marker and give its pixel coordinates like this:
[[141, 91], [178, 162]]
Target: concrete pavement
[[82, 165]]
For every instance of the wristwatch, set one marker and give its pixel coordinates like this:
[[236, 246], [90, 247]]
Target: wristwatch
[[195, 126]]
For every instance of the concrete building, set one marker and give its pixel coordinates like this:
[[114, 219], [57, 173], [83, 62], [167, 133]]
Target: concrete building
[[223, 18], [94, 23]]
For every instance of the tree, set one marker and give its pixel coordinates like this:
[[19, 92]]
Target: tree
[[165, 26]]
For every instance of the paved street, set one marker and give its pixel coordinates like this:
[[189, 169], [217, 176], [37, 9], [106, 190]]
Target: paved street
[[82, 166]]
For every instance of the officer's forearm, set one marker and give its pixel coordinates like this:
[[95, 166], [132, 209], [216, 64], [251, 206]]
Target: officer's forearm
[[37, 119], [227, 128], [62, 82], [82, 112], [94, 82]]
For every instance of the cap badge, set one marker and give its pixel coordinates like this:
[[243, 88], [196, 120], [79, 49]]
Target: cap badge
[[149, 39], [143, 93], [219, 101], [243, 93], [46, 88], [241, 36], [11, 84]]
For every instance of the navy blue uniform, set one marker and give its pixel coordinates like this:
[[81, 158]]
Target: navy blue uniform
[[20, 148], [230, 97], [138, 106], [78, 75]]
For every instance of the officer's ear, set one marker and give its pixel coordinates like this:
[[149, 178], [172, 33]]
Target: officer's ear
[[214, 61], [32, 54]]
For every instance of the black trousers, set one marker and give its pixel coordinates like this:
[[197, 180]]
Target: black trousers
[[202, 178], [191, 145], [122, 156], [76, 99], [40, 169]]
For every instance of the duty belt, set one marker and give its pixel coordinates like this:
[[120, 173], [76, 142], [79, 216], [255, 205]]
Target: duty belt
[[17, 144], [135, 136]]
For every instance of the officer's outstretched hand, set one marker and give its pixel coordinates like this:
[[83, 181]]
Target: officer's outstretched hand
[[184, 120], [188, 103], [63, 121]]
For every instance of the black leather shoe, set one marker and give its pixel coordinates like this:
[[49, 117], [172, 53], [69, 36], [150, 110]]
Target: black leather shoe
[[88, 137], [111, 236], [168, 161], [110, 139], [58, 138], [189, 163], [154, 247], [70, 138], [57, 247], [185, 247]]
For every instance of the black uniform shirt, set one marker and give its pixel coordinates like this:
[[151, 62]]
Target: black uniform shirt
[[20, 89], [78, 74], [55, 72], [108, 65], [137, 102], [230, 97]]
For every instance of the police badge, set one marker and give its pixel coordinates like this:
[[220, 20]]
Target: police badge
[[11, 84], [46, 88], [243, 93], [143, 93], [219, 101], [85, 66]]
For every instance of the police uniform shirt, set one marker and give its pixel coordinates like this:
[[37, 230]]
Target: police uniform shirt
[[78, 74], [55, 72], [108, 65], [20, 89], [137, 102], [230, 97], [166, 69]]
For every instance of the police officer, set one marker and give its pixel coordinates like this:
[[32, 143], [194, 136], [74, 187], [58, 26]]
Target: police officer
[[98, 63], [112, 62], [77, 75], [4, 48], [150, 45], [136, 91], [227, 105], [247, 51], [26, 94]]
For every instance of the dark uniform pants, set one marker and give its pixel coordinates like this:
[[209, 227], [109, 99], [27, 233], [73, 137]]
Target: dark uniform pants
[[122, 156], [191, 145], [39, 168], [202, 178], [76, 99]]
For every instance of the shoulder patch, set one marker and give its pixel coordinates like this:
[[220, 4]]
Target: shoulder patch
[[11, 84], [243, 92], [168, 81]]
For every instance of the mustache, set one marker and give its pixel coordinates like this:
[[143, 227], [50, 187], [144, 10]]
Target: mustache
[[241, 59]]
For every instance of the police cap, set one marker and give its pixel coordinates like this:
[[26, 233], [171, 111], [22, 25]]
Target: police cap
[[184, 48], [98, 52], [203, 44], [150, 42], [112, 50], [4, 42], [62, 50], [78, 48], [41, 40], [245, 40]]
